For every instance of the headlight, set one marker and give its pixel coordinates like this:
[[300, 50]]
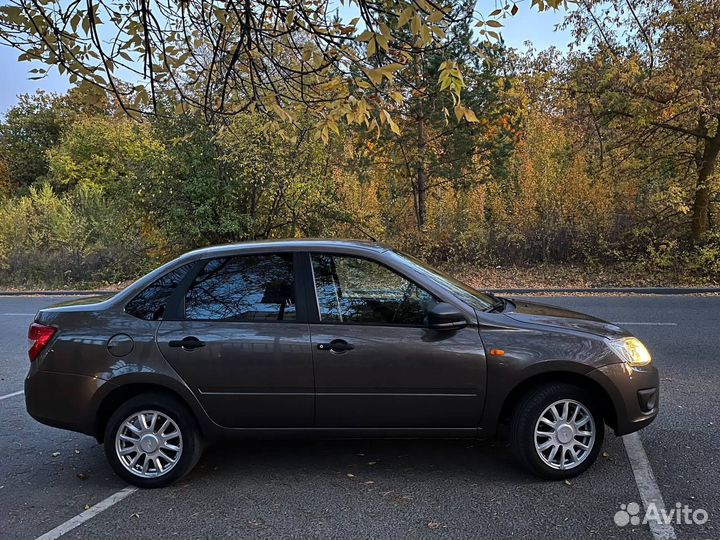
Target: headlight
[[631, 350]]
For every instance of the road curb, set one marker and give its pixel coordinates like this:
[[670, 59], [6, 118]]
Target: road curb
[[55, 293], [615, 290], [619, 290]]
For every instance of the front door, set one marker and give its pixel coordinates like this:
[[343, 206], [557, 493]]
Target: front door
[[377, 365], [240, 344]]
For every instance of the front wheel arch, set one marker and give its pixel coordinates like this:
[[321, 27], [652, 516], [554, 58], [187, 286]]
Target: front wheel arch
[[597, 392]]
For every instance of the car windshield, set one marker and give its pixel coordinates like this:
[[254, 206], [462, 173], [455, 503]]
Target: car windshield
[[474, 298]]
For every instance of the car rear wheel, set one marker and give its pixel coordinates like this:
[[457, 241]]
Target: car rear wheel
[[152, 440], [557, 431]]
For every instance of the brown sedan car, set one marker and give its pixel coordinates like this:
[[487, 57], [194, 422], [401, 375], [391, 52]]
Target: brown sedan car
[[328, 338]]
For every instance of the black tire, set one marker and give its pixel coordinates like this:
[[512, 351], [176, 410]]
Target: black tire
[[191, 448], [527, 414]]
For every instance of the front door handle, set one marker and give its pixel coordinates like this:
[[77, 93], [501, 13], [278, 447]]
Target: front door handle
[[336, 345], [187, 343]]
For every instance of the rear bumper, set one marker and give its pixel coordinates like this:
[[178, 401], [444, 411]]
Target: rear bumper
[[63, 400], [635, 395]]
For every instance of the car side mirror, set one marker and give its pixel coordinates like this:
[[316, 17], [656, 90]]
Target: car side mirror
[[445, 316]]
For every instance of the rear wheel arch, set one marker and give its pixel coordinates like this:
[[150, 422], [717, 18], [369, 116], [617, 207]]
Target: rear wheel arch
[[598, 393], [121, 394]]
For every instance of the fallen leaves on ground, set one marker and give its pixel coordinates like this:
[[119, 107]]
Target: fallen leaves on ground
[[567, 276]]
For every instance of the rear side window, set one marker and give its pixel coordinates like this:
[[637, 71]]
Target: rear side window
[[151, 302], [258, 288]]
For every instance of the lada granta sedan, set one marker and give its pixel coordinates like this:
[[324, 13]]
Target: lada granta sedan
[[329, 338]]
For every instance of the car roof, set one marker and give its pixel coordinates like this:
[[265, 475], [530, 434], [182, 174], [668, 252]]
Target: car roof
[[258, 246], [292, 244]]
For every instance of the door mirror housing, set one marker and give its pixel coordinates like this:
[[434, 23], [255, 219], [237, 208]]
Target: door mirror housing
[[444, 316]]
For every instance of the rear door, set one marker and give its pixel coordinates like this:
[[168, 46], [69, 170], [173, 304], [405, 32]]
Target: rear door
[[377, 365], [241, 342]]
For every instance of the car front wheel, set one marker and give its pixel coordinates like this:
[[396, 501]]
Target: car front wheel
[[152, 440], [557, 431]]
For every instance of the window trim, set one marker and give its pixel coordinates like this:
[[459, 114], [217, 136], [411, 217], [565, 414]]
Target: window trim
[[176, 304], [313, 302]]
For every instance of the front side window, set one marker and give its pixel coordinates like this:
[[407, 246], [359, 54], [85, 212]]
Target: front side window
[[356, 290], [151, 302], [244, 288]]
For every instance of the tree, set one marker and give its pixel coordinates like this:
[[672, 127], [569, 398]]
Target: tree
[[30, 128], [226, 57], [658, 84], [5, 182], [107, 154], [239, 181], [281, 187], [100, 170], [37, 123], [554, 210], [434, 141]]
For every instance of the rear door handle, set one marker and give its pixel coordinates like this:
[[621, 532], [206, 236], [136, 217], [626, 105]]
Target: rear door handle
[[188, 343], [336, 345]]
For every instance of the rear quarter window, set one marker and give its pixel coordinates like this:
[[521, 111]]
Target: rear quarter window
[[150, 304]]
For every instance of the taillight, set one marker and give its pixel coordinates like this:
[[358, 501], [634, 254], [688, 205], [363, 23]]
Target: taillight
[[40, 335]]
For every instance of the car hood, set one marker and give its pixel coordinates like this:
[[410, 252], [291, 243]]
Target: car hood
[[547, 315]]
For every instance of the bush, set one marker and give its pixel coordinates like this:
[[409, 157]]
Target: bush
[[48, 240]]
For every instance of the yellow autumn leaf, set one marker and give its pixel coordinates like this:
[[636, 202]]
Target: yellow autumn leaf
[[459, 112], [436, 17], [371, 48], [405, 16], [393, 126], [382, 41], [375, 75], [416, 24], [470, 116]]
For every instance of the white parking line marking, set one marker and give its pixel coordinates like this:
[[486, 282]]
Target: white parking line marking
[[647, 486], [18, 314], [90, 513], [7, 396], [649, 323]]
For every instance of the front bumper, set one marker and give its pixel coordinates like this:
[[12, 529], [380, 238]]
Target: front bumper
[[63, 400], [634, 392]]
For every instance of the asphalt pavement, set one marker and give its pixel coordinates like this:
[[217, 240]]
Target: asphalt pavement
[[380, 488]]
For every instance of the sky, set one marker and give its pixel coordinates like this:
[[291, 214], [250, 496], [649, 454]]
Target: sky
[[527, 25]]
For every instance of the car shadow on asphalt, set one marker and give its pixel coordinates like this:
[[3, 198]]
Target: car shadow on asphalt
[[363, 458]]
